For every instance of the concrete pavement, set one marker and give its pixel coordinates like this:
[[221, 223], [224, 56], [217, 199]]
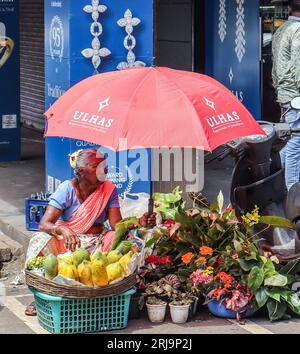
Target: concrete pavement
[[13, 321], [19, 180]]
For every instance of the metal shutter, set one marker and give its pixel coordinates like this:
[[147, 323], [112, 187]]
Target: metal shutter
[[32, 62]]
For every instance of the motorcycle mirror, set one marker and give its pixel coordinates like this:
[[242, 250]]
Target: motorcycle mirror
[[295, 103]]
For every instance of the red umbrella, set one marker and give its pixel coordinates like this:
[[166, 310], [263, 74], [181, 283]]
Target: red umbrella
[[150, 107]]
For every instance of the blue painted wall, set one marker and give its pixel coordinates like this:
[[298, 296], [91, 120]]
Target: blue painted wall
[[233, 48], [67, 33], [10, 139]]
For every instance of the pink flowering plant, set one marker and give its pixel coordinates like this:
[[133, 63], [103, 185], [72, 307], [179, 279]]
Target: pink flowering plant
[[205, 271], [238, 276]]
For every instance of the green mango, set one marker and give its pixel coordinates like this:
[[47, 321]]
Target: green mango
[[80, 255], [99, 257], [51, 267]]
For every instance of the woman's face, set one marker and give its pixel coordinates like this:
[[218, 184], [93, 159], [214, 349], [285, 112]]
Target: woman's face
[[95, 171]]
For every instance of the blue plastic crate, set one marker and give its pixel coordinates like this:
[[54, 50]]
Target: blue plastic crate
[[35, 210], [69, 316]]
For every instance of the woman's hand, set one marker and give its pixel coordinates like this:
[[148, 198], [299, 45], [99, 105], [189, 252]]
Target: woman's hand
[[71, 240], [47, 225], [148, 220]]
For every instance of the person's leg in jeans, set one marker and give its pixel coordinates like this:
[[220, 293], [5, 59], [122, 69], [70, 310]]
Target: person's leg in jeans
[[283, 156], [292, 161], [282, 153], [292, 151]]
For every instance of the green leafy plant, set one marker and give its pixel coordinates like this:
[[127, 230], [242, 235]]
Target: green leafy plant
[[234, 254], [194, 228], [182, 302], [152, 300], [270, 281], [167, 204]]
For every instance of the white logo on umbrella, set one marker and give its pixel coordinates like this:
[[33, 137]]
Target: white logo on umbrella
[[210, 104], [103, 104], [231, 76]]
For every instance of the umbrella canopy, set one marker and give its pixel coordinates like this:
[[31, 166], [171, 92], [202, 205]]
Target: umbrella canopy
[[150, 107]]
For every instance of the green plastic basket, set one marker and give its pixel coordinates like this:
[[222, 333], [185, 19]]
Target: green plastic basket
[[62, 315]]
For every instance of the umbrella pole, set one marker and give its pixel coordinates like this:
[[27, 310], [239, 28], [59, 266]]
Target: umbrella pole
[[151, 201], [150, 206]]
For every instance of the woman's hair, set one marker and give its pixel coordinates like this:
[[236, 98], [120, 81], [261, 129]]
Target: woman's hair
[[86, 157]]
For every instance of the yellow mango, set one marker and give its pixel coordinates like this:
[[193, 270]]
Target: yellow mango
[[67, 270], [62, 263], [99, 273], [85, 273], [126, 259], [114, 271], [67, 257], [113, 256]]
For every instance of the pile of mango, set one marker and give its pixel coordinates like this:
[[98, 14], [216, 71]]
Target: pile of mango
[[96, 269]]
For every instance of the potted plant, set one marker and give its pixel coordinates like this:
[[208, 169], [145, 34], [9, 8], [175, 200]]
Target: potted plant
[[219, 254], [237, 280], [218, 309], [230, 299], [180, 309], [156, 309], [165, 288]]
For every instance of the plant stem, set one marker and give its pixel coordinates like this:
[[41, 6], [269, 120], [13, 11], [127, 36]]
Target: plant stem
[[260, 232]]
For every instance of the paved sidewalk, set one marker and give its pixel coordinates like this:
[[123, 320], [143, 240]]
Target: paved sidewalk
[[19, 180], [13, 320]]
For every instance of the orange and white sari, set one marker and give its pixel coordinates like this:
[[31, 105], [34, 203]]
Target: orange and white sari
[[81, 222]]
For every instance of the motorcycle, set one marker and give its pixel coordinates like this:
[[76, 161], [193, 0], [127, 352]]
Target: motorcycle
[[258, 179]]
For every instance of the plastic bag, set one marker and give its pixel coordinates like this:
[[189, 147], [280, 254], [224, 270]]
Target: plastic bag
[[133, 265], [60, 279], [134, 204]]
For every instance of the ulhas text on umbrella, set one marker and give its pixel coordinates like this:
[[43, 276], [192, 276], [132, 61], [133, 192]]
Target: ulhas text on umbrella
[[223, 121], [94, 120]]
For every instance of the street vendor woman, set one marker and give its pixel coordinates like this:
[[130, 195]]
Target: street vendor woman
[[78, 209]]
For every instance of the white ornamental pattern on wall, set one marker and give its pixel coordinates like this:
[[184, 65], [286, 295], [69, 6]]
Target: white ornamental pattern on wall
[[240, 41], [129, 23], [222, 20], [96, 52]]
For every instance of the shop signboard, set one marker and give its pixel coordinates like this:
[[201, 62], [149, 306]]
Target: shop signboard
[[83, 38], [233, 48], [10, 139]]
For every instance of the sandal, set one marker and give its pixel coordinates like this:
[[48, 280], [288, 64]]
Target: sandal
[[31, 309]]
